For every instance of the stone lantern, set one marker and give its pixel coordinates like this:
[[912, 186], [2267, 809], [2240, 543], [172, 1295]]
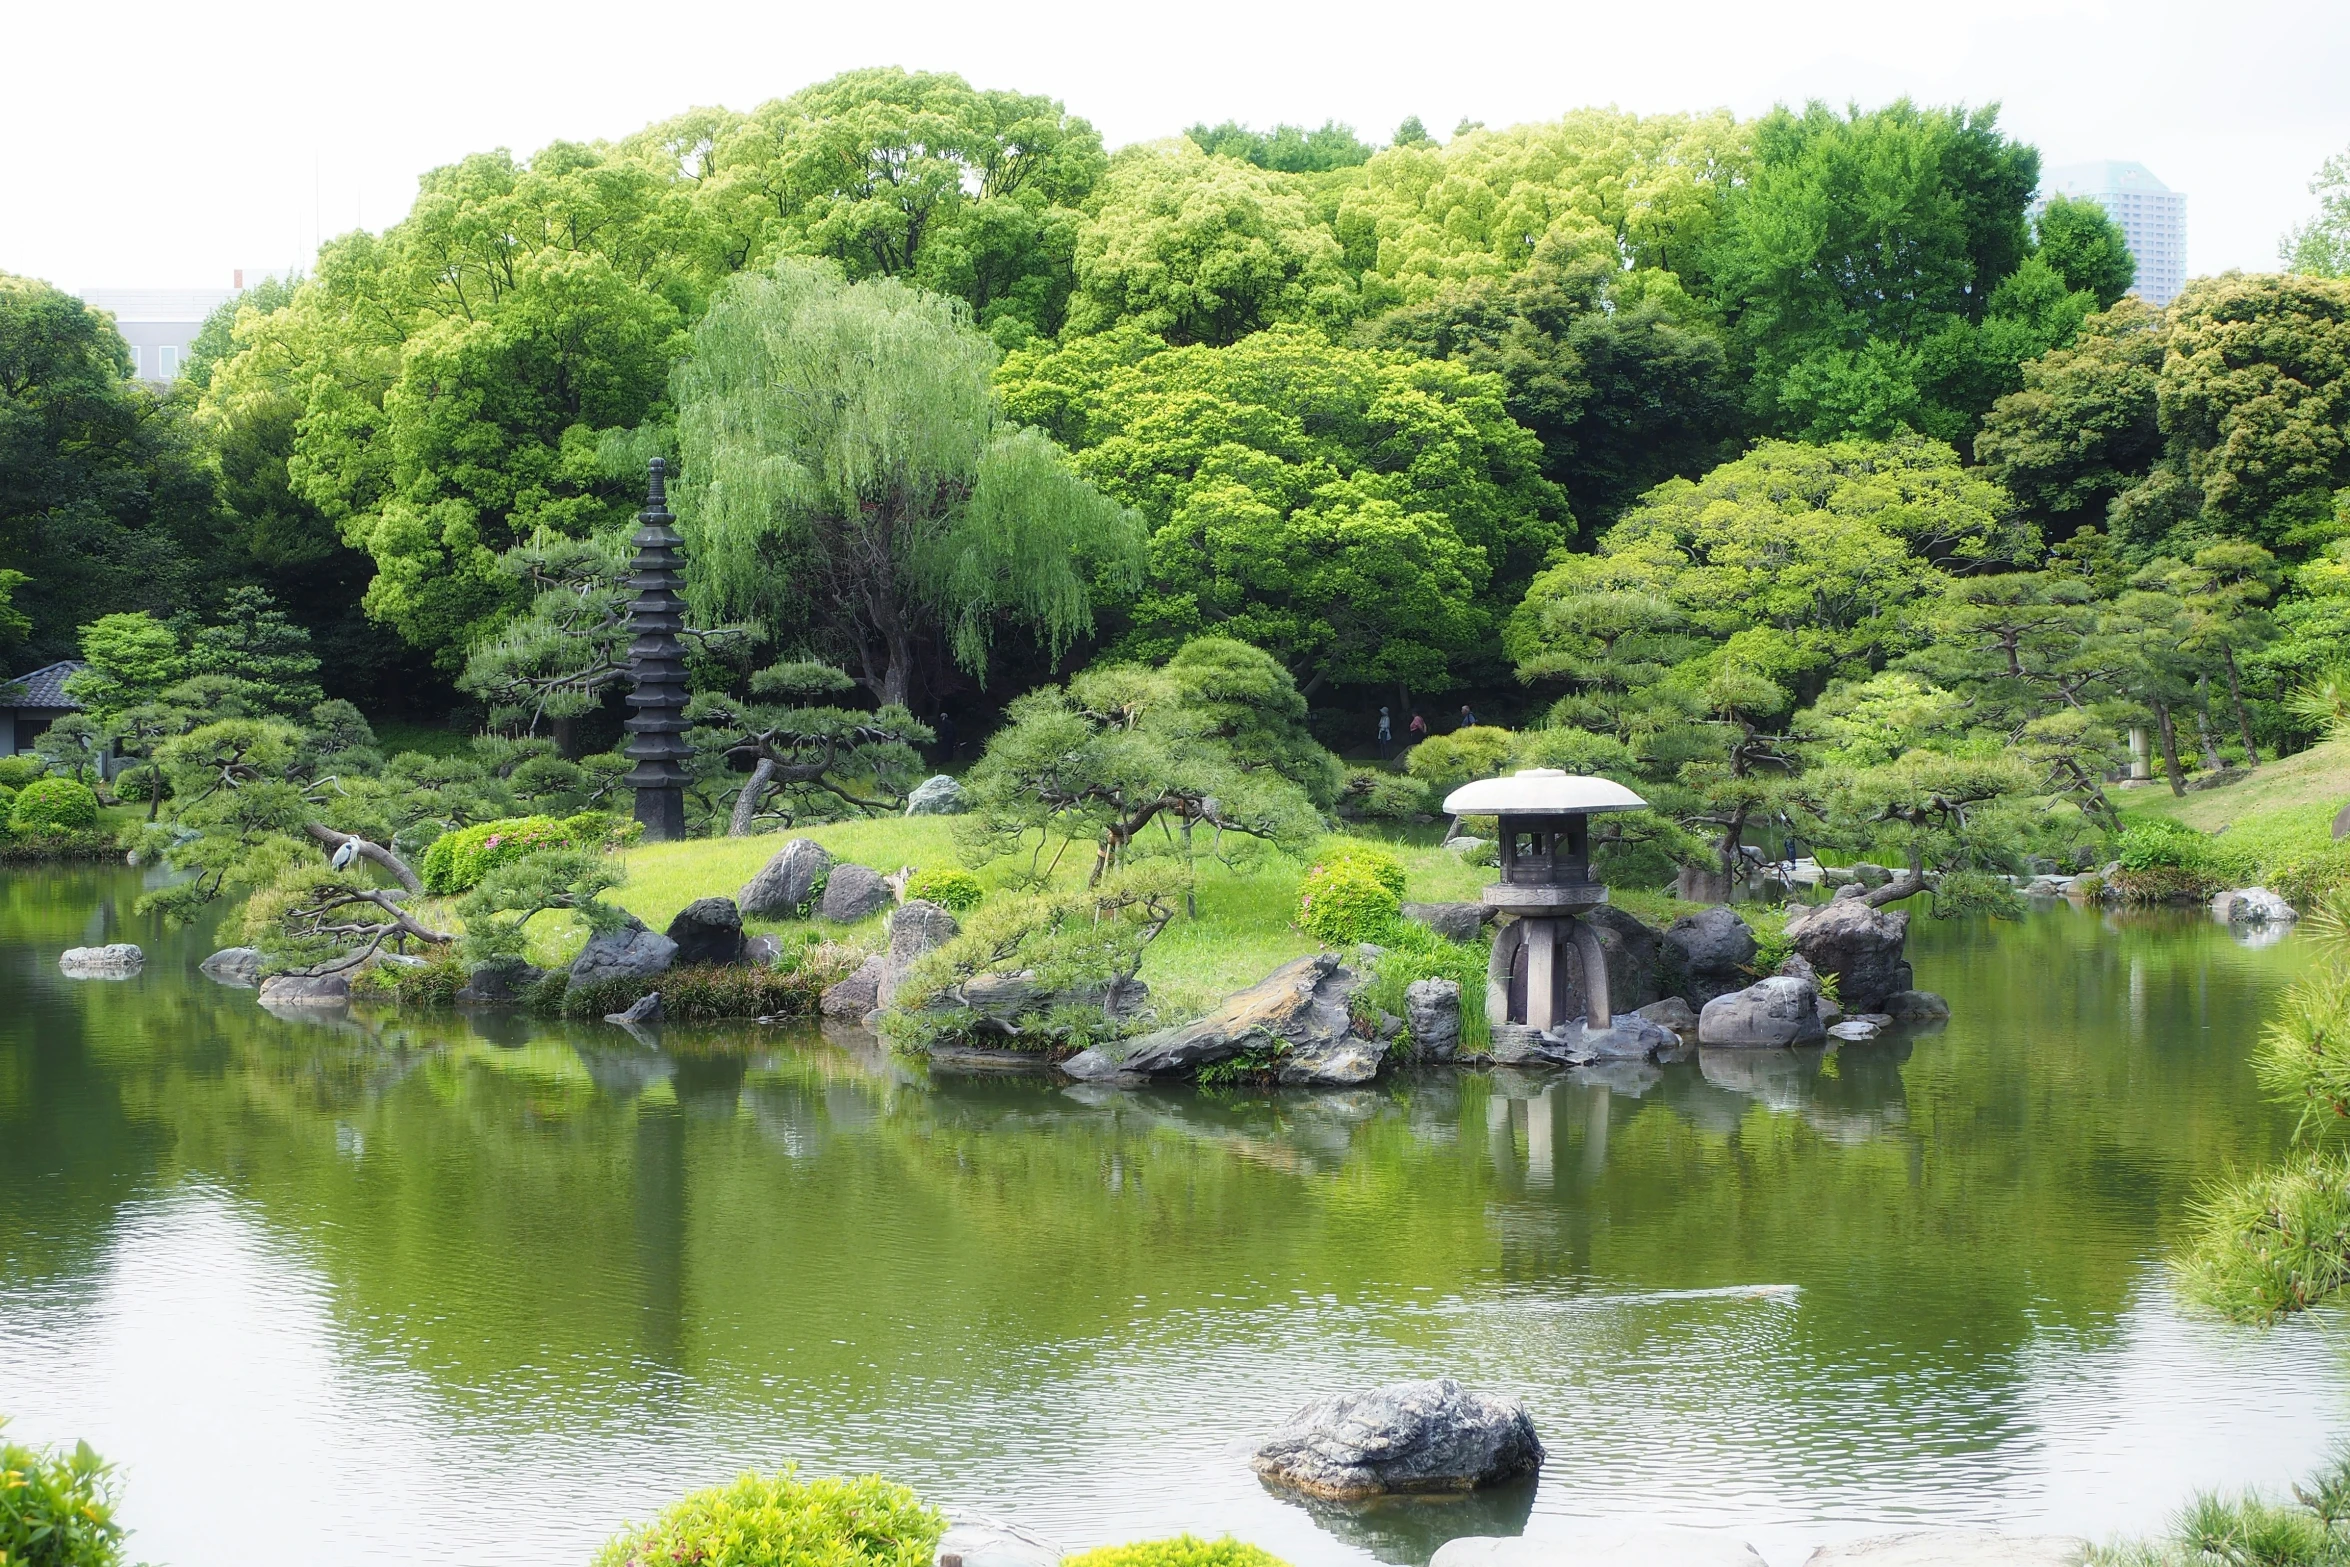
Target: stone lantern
[[1545, 840]]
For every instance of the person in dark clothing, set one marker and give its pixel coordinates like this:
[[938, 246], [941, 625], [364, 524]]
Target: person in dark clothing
[[1468, 719], [945, 730], [1417, 729]]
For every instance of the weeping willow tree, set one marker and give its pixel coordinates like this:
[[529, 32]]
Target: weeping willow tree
[[850, 479]]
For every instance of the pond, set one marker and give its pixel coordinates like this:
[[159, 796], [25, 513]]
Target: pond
[[471, 1291]]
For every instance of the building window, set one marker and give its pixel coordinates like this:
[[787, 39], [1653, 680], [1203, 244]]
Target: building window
[[167, 362]]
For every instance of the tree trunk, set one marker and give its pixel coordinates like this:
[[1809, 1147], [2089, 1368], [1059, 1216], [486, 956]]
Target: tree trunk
[[1732, 869], [1906, 885], [2212, 761], [367, 850], [2170, 748], [746, 804], [2236, 695], [566, 728]]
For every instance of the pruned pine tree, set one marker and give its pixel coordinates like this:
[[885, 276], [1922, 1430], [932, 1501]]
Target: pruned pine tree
[[797, 750]]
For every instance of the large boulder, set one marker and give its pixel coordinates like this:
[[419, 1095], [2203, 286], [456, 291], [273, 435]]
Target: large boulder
[[937, 796], [1409, 1436], [1671, 1012], [631, 952], [2253, 906], [915, 930], [1298, 1018], [1452, 921], [853, 893], [1860, 945], [1768, 1014], [1705, 954], [306, 990], [708, 930], [116, 960], [1954, 1548], [856, 995], [501, 982], [1916, 1006], [1602, 1545], [1432, 1014], [238, 966], [1635, 961], [787, 883]]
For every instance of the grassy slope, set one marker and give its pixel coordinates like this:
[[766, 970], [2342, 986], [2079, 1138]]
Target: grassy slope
[[2314, 780]]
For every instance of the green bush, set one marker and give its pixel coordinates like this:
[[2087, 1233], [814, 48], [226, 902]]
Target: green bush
[[433, 983], [1184, 1550], [457, 861], [56, 1509], [956, 891], [2161, 884], [1414, 952], [1345, 900], [1380, 862], [53, 805], [1376, 794], [2159, 843], [17, 771], [760, 1521], [708, 993], [1442, 763]]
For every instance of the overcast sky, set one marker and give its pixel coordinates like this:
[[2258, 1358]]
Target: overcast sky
[[165, 145]]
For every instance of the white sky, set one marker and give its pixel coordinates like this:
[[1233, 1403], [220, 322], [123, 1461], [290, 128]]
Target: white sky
[[165, 144]]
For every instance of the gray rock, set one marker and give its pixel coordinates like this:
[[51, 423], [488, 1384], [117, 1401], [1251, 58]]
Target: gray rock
[[856, 995], [631, 952], [916, 929], [762, 951], [1630, 1037], [1673, 1013], [1860, 945], [1464, 845], [708, 930], [1706, 953], [306, 990], [238, 966], [1854, 1030], [1452, 921], [1299, 1015], [1915, 1006], [2342, 823], [116, 960], [645, 1009], [1954, 1548], [1432, 1011], [937, 796], [2253, 906], [1409, 1436], [1768, 1014], [1635, 959], [973, 1540], [1601, 1545], [501, 983], [1338, 1063], [1871, 876], [787, 882], [853, 893]]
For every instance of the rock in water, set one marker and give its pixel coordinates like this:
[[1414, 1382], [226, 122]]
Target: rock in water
[[1854, 1030], [937, 796], [631, 952], [1629, 1037], [1452, 921], [1432, 1011], [1710, 949], [1409, 1436], [853, 893], [1768, 1014], [1916, 1006], [917, 928], [1954, 1548], [2254, 906], [708, 930], [856, 995], [1298, 1016], [117, 960], [645, 1009], [1602, 1546], [238, 966], [787, 882], [502, 982], [1673, 1013], [1861, 946], [306, 990]]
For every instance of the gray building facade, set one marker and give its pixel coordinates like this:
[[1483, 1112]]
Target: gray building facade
[[2151, 216]]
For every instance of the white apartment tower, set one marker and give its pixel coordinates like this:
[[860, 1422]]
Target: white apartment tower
[[2151, 216]]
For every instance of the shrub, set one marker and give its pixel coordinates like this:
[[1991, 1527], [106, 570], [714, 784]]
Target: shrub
[[709, 992], [17, 771], [53, 805], [781, 1521], [1345, 900], [1375, 794], [1975, 892], [1183, 1551], [1379, 861], [1443, 763], [457, 861], [2161, 844], [956, 891], [433, 983], [57, 1509], [2161, 884], [1414, 952]]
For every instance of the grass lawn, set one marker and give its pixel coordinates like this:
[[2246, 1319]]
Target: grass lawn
[[2313, 781], [394, 735]]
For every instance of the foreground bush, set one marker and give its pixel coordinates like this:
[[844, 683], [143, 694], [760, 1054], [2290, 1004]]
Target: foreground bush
[[779, 1521], [53, 805], [710, 993], [2251, 1531], [1351, 893], [56, 1509], [1183, 1551]]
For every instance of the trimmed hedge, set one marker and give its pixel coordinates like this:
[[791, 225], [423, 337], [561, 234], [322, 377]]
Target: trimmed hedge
[[53, 805], [956, 891], [779, 1521], [1345, 901], [457, 861]]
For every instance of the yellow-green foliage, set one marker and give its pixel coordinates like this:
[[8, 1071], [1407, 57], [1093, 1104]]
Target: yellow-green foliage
[[781, 1521], [1184, 1550], [1445, 762], [1347, 900], [457, 861], [56, 1509], [53, 805], [948, 886]]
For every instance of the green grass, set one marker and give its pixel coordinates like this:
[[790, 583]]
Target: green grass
[[2306, 782], [394, 735]]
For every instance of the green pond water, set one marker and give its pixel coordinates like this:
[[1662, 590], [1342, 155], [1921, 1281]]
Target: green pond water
[[454, 1290]]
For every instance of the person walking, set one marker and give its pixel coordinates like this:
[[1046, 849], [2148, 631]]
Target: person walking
[[944, 729], [1417, 729], [1386, 735], [1468, 719]]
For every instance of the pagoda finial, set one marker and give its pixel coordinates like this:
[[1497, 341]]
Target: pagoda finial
[[656, 492]]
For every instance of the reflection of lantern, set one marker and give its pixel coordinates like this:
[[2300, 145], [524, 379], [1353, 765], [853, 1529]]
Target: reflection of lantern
[[1545, 839]]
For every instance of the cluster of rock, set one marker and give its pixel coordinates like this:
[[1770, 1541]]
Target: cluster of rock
[[1296, 1026]]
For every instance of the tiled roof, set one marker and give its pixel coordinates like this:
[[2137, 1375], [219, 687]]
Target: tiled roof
[[42, 688]]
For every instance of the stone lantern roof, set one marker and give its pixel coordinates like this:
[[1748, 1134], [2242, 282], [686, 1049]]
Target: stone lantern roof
[[1541, 791]]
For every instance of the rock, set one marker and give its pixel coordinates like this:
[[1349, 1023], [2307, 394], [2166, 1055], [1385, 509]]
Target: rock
[[708, 930], [1854, 1030], [1635, 962], [853, 893], [1860, 945], [117, 960], [1630, 1037], [1673, 1013], [937, 796], [1409, 1436], [238, 966], [1954, 1548], [1768, 1014], [1432, 1011], [1915, 1006], [1452, 921], [2253, 906], [972, 1540], [1871, 876], [1837, 876], [645, 1009], [786, 884], [2342, 823], [1706, 953], [306, 990], [1601, 1546], [917, 928], [762, 951], [1463, 845], [856, 995], [1298, 1015], [631, 952], [502, 983]]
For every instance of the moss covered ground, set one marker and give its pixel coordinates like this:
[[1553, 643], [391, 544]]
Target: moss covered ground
[[2275, 827]]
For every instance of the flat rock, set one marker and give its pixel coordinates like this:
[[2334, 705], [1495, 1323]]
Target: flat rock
[[631, 952], [1432, 1015], [1628, 1037], [1452, 921], [116, 960], [938, 795], [1913, 1006], [1601, 1546], [1768, 1014], [1299, 1012], [1339, 1063], [917, 929], [645, 1009], [2253, 906], [853, 893], [1673, 1013], [708, 930], [1854, 1030], [1463, 845], [857, 994], [1860, 945], [974, 1540], [786, 884], [238, 966], [1954, 1548], [1408, 1436], [306, 990]]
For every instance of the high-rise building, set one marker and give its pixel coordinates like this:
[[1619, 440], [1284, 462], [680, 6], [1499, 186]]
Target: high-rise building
[[158, 323], [2151, 216]]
